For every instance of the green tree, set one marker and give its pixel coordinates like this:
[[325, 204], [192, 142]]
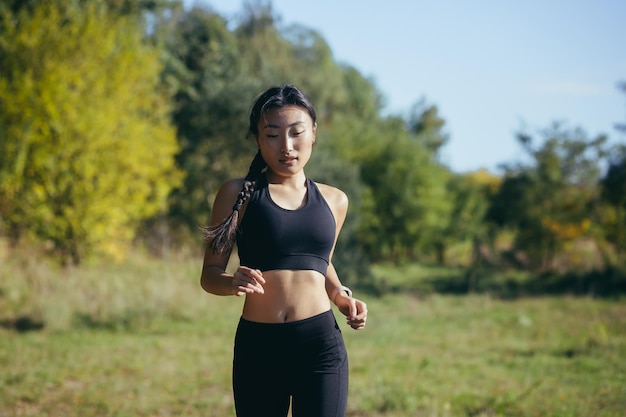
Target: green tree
[[425, 124], [424, 121], [550, 201], [211, 98], [613, 186], [86, 145], [470, 194], [405, 201]]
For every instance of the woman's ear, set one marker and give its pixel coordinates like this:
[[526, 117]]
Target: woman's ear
[[314, 132]]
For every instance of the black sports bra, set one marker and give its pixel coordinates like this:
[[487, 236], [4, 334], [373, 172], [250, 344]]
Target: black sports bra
[[271, 237]]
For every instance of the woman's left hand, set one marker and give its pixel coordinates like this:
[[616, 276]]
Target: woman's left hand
[[354, 309]]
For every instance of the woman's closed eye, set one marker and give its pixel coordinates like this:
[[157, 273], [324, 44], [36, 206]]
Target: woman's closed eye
[[293, 134]]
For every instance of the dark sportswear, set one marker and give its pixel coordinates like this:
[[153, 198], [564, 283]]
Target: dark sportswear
[[304, 359], [271, 237]]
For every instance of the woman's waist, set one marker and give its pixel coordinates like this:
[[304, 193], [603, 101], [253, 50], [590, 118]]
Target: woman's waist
[[287, 337], [288, 296], [324, 316]]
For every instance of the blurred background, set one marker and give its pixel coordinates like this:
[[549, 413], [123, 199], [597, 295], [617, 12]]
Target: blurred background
[[491, 68], [482, 146], [121, 119]]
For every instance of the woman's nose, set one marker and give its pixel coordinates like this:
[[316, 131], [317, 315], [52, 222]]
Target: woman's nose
[[287, 145]]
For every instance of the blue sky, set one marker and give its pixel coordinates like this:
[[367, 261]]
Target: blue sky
[[491, 67]]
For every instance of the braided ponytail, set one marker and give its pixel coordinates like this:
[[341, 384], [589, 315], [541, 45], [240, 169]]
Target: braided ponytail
[[223, 235]]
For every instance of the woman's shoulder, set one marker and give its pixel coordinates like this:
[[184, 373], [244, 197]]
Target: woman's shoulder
[[231, 186], [335, 197], [228, 191]]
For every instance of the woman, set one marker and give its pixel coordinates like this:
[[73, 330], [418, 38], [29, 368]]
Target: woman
[[288, 344]]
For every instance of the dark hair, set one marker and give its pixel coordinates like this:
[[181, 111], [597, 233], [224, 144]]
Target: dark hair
[[222, 236]]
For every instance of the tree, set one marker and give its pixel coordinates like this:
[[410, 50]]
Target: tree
[[86, 150], [613, 189], [405, 202], [550, 203], [470, 194], [425, 123], [211, 94]]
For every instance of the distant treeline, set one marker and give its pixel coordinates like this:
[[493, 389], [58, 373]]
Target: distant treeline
[[120, 119]]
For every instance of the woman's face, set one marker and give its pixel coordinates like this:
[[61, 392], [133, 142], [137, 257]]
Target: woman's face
[[286, 137]]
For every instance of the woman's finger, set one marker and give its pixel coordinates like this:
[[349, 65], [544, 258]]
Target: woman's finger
[[249, 280]]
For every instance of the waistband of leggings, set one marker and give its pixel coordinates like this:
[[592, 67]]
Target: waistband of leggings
[[316, 320]]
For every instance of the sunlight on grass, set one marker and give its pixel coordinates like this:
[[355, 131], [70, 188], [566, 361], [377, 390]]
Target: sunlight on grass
[[142, 339]]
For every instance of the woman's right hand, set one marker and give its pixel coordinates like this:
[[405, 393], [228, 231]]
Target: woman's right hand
[[248, 281]]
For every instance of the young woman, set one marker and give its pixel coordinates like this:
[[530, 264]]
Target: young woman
[[288, 345]]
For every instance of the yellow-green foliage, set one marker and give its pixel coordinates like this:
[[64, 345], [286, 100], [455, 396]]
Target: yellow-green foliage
[[86, 149]]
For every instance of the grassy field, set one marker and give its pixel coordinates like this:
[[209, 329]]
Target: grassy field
[[142, 339]]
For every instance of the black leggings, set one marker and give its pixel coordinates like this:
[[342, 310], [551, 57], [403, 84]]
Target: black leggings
[[305, 360]]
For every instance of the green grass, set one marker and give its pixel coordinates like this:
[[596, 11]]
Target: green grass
[[142, 339]]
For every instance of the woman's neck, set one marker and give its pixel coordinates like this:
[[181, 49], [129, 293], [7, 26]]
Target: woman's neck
[[292, 181]]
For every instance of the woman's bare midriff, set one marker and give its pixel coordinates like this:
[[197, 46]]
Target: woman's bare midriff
[[289, 296]]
